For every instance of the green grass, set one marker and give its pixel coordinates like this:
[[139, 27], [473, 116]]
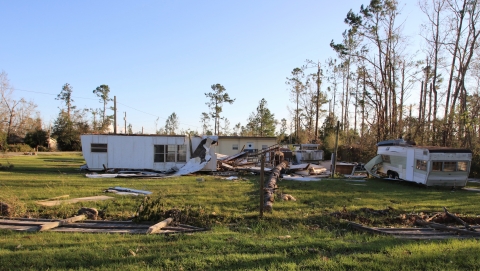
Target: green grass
[[238, 239]]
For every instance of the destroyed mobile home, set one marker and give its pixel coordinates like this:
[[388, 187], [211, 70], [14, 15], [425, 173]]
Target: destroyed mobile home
[[159, 156], [430, 166], [144, 153]]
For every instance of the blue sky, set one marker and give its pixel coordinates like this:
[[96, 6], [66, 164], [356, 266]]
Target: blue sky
[[160, 57]]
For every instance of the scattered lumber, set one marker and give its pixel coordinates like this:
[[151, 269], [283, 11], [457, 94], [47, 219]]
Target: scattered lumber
[[51, 225], [59, 202], [157, 227], [458, 219], [441, 227]]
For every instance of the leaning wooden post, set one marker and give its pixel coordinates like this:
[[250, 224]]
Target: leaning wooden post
[[159, 225], [271, 186], [262, 180]]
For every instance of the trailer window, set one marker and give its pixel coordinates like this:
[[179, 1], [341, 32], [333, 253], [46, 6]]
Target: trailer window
[[235, 147], [170, 153], [159, 151], [449, 166], [182, 153], [437, 166], [462, 166], [95, 147], [386, 158], [421, 164]]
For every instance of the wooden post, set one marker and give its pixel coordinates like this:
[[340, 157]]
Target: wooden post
[[51, 225], [159, 225], [262, 181], [334, 160]]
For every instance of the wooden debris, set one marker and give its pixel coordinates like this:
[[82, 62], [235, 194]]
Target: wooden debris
[[458, 219], [51, 225], [412, 233], [159, 226], [59, 202], [90, 226], [446, 228]]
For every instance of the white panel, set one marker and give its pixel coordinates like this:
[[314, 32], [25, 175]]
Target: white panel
[[410, 165]]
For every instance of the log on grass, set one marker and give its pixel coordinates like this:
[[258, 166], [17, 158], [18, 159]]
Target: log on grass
[[271, 186], [51, 225], [159, 225]]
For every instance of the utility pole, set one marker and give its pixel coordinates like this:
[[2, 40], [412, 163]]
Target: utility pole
[[319, 81], [125, 119], [115, 115]]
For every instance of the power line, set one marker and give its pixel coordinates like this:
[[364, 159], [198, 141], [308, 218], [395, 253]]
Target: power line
[[78, 97]]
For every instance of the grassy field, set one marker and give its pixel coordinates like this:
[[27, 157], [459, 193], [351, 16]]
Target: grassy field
[[300, 235]]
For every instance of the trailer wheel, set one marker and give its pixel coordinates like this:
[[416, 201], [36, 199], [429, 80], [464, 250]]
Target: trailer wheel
[[391, 174]]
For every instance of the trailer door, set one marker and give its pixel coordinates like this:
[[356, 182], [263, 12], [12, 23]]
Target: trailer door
[[410, 164]]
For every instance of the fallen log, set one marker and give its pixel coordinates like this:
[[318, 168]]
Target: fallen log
[[458, 219], [155, 228], [445, 228], [271, 186], [51, 225]]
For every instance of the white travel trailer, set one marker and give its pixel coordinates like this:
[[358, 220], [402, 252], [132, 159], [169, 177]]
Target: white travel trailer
[[431, 166], [145, 152]]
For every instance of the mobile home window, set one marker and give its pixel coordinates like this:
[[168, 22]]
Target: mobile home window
[[235, 147], [421, 164], [182, 153], [462, 166], [159, 151], [264, 147], [437, 166], [95, 147], [386, 158], [170, 153], [449, 166]]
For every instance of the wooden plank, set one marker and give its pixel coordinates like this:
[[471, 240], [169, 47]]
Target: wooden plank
[[108, 226], [21, 223], [159, 225], [18, 228], [59, 202], [51, 225]]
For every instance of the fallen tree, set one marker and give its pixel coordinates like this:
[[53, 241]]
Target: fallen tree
[[271, 186]]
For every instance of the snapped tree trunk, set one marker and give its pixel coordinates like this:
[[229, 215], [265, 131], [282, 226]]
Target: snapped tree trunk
[[271, 185]]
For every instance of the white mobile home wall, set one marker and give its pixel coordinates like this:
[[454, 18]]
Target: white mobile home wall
[[135, 151]]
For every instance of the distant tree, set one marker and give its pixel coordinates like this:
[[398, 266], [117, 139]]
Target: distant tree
[[129, 129], [37, 138], [16, 115], [103, 92], [66, 96], [217, 98], [67, 131], [205, 119], [237, 129], [297, 87], [262, 122], [171, 124], [226, 127]]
